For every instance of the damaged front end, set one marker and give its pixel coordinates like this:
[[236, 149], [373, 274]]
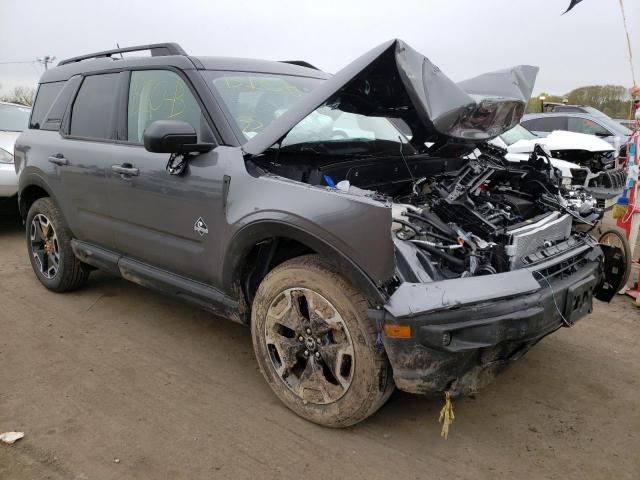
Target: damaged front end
[[490, 256], [490, 261]]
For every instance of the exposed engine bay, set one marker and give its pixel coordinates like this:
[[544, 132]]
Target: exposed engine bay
[[464, 217], [490, 217]]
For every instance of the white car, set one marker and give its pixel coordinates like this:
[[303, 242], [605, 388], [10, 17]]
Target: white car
[[13, 120], [585, 161]]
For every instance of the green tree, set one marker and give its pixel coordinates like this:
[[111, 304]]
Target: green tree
[[535, 103], [613, 100]]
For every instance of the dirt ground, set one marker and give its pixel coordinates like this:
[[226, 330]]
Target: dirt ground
[[118, 382]]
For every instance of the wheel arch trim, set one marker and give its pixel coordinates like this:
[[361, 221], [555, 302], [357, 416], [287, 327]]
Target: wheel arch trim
[[252, 233]]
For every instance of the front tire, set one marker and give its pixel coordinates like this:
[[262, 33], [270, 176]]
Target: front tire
[[49, 247], [315, 345]]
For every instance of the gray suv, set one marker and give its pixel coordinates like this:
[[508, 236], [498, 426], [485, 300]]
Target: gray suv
[[287, 199], [578, 119]]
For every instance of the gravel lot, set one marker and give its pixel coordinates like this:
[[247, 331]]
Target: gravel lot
[[115, 381]]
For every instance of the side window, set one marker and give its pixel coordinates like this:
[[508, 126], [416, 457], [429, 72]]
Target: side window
[[546, 124], [92, 112], [584, 125], [47, 93], [160, 95], [53, 119]]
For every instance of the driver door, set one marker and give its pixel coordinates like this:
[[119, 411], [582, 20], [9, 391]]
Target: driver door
[[164, 220]]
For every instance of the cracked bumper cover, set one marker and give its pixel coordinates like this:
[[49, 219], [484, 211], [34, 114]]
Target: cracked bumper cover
[[465, 331]]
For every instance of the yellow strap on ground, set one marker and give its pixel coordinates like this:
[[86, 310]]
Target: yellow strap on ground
[[446, 415]]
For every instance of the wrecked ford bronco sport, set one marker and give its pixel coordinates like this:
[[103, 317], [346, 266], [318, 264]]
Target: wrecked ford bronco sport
[[287, 199]]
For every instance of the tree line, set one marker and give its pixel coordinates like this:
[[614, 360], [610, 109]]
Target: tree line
[[613, 100], [20, 95]]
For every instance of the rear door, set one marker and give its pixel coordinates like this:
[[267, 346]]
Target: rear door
[[82, 155], [171, 222], [589, 127]]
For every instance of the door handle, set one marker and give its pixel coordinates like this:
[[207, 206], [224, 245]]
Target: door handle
[[126, 169], [58, 159]]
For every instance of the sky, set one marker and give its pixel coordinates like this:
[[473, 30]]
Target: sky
[[464, 38]]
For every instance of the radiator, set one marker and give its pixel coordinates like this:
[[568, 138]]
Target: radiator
[[531, 238]]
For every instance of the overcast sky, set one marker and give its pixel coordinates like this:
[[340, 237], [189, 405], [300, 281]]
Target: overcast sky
[[463, 37]]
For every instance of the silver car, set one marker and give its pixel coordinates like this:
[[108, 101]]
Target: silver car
[[579, 119], [13, 120]]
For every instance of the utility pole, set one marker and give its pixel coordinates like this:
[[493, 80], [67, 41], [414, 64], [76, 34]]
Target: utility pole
[[46, 61]]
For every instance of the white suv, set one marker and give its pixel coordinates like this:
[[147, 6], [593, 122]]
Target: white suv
[[13, 120]]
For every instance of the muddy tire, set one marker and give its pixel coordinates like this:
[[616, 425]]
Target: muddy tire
[[315, 345], [49, 246]]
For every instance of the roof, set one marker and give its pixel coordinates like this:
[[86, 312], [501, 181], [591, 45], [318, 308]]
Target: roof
[[183, 62], [555, 114]]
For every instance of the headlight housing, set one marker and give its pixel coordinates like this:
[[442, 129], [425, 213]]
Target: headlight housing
[[5, 157]]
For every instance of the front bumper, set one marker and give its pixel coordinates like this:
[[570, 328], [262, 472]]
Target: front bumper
[[8, 180], [465, 331]]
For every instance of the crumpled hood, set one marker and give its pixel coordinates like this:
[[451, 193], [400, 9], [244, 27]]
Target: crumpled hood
[[562, 140], [8, 140], [393, 80]]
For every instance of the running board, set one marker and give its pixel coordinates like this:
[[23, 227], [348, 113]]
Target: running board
[[205, 296]]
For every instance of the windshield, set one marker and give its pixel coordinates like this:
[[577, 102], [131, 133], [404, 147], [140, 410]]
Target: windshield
[[254, 100], [517, 133], [608, 122], [14, 118]]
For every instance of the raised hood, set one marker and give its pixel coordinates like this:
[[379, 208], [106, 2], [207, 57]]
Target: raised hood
[[393, 80]]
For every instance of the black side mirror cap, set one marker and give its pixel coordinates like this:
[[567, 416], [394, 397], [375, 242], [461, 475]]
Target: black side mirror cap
[[173, 136]]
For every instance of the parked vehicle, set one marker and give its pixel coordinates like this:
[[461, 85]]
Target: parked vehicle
[[630, 124], [284, 198], [13, 119], [586, 162], [578, 119]]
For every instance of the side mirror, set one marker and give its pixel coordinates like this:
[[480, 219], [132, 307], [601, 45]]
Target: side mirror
[[173, 136]]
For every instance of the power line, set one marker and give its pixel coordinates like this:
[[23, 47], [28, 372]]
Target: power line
[[10, 63]]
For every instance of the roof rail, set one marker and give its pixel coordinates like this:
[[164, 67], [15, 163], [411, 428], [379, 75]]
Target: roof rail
[[300, 63], [156, 49]]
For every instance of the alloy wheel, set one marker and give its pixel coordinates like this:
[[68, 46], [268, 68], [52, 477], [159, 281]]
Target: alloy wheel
[[309, 346], [44, 245]]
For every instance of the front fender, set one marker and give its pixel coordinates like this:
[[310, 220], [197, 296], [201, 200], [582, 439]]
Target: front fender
[[352, 230]]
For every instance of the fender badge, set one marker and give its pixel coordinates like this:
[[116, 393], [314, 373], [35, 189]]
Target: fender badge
[[201, 227]]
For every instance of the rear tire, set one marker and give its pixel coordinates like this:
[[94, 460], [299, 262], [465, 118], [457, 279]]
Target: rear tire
[[49, 247], [315, 345]]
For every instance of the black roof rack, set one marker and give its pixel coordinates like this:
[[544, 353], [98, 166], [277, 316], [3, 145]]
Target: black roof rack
[[156, 49], [300, 63]]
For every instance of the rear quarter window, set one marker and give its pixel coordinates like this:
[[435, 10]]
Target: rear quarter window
[[47, 93]]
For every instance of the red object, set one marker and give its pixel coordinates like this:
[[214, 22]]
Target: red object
[[626, 222]]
